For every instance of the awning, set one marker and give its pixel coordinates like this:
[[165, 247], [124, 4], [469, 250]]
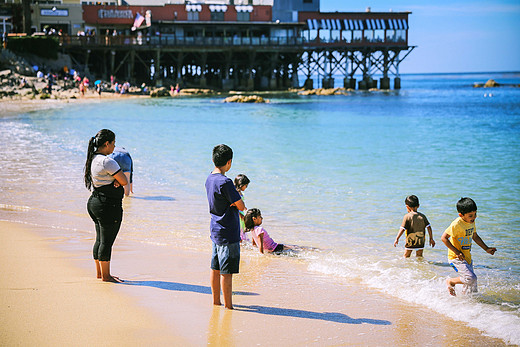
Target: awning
[[323, 24], [244, 8], [218, 8], [329, 24], [193, 8], [357, 24], [376, 24]]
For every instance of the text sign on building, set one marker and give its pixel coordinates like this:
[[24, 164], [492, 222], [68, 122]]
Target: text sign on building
[[54, 12], [115, 14]]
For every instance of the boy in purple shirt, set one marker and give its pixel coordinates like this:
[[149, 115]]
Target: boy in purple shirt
[[224, 202]]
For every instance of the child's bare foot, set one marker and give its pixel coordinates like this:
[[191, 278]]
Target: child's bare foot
[[217, 303], [451, 289]]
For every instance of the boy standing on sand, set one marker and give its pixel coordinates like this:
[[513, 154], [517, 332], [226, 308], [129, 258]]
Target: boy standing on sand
[[224, 203], [462, 231], [414, 223]]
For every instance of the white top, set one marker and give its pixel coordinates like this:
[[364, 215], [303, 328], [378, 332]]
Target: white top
[[103, 169]]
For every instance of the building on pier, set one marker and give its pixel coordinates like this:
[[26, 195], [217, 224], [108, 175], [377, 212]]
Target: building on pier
[[240, 44], [349, 43]]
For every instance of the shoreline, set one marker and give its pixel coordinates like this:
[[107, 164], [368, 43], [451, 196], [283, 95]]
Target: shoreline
[[170, 287], [276, 293]]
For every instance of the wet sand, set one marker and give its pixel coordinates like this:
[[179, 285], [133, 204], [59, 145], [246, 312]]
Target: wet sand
[[50, 296]]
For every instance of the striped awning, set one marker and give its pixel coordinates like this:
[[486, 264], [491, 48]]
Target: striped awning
[[351, 24], [397, 24], [357, 24]]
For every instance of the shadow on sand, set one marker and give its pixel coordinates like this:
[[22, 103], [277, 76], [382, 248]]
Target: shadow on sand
[[325, 316], [179, 287], [154, 198]]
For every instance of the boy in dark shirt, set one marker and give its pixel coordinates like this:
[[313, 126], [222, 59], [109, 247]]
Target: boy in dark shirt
[[414, 224], [224, 202]]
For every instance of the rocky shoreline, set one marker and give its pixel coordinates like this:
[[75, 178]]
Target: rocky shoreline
[[491, 83], [18, 82]]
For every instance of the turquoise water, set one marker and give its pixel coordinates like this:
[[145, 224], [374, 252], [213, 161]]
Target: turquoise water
[[328, 172]]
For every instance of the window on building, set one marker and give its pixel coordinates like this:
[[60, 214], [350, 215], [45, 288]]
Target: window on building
[[346, 35], [217, 16], [357, 36], [400, 35], [325, 35], [83, 2], [313, 35], [379, 35], [243, 16], [369, 35], [192, 15], [390, 35], [307, 1]]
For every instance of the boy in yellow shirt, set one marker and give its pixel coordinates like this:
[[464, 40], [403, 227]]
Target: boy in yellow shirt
[[462, 232]]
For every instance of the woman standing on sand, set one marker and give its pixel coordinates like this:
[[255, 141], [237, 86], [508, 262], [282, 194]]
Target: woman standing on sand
[[104, 176]]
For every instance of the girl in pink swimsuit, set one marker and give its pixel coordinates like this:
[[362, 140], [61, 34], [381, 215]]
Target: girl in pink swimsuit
[[261, 238]]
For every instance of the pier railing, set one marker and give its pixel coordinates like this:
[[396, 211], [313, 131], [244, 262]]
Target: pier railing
[[172, 41], [183, 41]]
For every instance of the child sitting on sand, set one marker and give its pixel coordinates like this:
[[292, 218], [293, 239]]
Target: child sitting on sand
[[241, 183], [414, 224], [261, 238]]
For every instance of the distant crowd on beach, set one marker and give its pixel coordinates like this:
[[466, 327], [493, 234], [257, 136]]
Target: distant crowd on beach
[[231, 223]]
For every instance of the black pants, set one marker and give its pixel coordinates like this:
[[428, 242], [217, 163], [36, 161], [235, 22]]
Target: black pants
[[107, 215]]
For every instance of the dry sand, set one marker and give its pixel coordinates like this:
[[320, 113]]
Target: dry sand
[[47, 301], [50, 296]]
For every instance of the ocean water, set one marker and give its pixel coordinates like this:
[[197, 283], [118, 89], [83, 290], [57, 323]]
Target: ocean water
[[326, 172]]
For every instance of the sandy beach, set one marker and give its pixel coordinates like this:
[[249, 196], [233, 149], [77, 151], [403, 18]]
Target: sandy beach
[[50, 296]]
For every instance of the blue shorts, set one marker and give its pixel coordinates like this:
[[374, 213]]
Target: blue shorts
[[226, 258]]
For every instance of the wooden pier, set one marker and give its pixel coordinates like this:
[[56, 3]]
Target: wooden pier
[[247, 55]]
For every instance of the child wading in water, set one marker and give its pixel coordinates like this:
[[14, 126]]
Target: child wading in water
[[414, 224], [458, 238], [261, 238], [241, 183]]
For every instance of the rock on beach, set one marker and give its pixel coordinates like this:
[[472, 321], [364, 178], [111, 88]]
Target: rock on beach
[[246, 99], [324, 91], [491, 83]]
